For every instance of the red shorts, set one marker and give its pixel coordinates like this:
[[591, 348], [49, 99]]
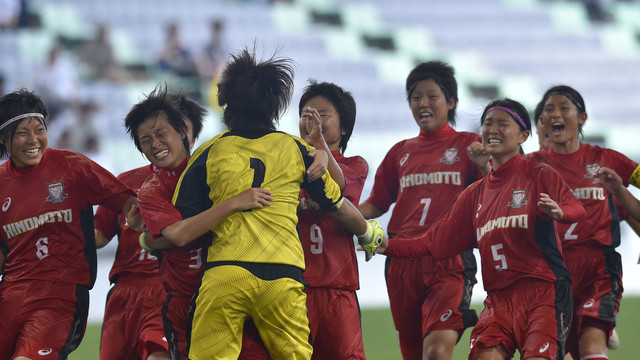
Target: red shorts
[[334, 339], [41, 319], [132, 327], [176, 311], [532, 316], [427, 295], [597, 290]]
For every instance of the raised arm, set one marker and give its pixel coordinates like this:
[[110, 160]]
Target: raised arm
[[612, 182]]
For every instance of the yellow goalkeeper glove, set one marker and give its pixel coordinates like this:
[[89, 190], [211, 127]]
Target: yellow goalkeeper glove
[[371, 239]]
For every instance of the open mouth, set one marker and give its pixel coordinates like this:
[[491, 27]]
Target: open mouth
[[557, 128], [426, 116], [494, 141]]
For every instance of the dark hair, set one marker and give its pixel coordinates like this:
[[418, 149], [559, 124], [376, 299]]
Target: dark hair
[[255, 94], [537, 113], [158, 102], [14, 104], [570, 93], [513, 106], [340, 99], [191, 110], [444, 75]]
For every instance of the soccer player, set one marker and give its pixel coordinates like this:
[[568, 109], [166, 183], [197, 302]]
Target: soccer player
[[509, 216], [429, 298], [255, 261], [327, 117], [588, 246], [47, 233], [159, 131], [133, 326]]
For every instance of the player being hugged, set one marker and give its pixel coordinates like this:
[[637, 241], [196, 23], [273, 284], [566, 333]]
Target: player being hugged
[[429, 298], [133, 325], [327, 117], [47, 233], [509, 216], [589, 245], [160, 132]]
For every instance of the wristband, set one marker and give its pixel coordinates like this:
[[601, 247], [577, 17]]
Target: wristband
[[143, 244]]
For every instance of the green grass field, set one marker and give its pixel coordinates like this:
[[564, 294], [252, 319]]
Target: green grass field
[[381, 343]]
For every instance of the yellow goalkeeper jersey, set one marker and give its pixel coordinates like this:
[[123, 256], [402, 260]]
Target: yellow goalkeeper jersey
[[232, 162]]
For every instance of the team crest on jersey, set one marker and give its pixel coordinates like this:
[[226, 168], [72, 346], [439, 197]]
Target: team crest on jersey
[[450, 156], [404, 159], [592, 169], [56, 192], [517, 198]]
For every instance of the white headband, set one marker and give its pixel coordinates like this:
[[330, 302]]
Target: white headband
[[20, 117]]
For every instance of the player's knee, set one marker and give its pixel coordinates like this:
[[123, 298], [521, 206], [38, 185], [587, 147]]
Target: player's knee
[[437, 351]]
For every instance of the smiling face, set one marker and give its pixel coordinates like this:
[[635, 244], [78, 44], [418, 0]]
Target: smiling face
[[429, 105], [562, 120], [502, 136], [29, 142], [330, 118], [161, 143]]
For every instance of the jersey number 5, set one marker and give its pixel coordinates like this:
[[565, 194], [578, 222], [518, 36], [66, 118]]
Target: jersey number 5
[[499, 257]]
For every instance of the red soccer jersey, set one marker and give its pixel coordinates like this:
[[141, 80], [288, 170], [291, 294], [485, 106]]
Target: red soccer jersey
[[130, 258], [329, 250], [423, 176], [47, 216], [600, 226], [499, 215], [180, 267]]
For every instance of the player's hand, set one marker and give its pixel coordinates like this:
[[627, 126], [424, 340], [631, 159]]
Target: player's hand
[[550, 207], [610, 180], [479, 156], [371, 239], [252, 198], [313, 123], [319, 165], [134, 220]]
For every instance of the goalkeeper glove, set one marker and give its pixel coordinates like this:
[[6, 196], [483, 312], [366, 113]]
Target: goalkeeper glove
[[371, 239]]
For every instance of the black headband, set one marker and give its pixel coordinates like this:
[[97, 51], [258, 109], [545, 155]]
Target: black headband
[[568, 96]]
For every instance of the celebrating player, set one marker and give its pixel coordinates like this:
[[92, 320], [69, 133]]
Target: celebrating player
[[47, 233], [429, 298], [509, 216], [161, 134], [133, 326], [255, 261], [588, 246], [327, 117]]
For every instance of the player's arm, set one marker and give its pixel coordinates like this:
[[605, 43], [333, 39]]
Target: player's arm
[[370, 211], [368, 232], [106, 226], [612, 182], [101, 239], [185, 231]]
